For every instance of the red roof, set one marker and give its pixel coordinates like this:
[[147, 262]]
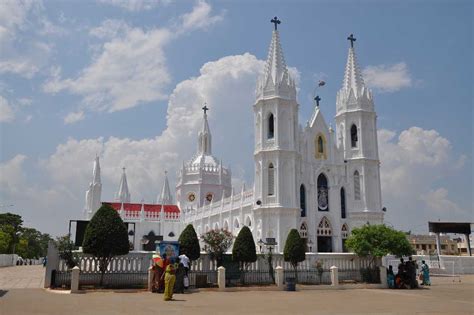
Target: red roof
[[138, 207]]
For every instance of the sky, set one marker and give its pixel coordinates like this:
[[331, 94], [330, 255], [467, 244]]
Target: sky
[[126, 80]]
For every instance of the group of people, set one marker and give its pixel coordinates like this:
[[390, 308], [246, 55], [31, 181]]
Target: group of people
[[170, 275], [406, 275]]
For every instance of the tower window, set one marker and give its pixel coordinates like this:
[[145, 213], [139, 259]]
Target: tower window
[[356, 185], [323, 196], [354, 138], [271, 126], [271, 180], [343, 203], [320, 147], [303, 200]]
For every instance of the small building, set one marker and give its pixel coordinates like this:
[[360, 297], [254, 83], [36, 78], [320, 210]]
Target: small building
[[426, 244]]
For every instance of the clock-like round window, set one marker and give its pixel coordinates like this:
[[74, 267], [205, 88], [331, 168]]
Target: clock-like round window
[[191, 197], [209, 197]]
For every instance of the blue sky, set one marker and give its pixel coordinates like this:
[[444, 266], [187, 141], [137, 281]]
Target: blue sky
[[126, 79]]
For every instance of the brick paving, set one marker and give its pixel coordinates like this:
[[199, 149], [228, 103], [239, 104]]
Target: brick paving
[[22, 277]]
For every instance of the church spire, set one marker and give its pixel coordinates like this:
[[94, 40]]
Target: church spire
[[123, 195], [275, 80], [205, 138], [352, 76], [165, 197], [96, 171]]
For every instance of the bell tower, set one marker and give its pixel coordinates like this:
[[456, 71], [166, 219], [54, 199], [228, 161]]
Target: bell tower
[[356, 122], [275, 153]]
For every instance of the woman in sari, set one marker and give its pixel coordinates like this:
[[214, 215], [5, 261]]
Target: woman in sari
[[426, 273], [170, 279]]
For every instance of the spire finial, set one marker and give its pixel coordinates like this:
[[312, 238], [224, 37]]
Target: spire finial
[[123, 169], [205, 108], [352, 39], [275, 21], [317, 99]]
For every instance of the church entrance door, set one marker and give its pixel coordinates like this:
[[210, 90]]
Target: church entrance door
[[324, 244]]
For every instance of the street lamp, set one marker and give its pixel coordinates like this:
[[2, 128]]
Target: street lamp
[[270, 244]]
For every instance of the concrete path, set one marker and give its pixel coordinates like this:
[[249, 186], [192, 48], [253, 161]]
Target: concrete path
[[443, 297], [22, 277]]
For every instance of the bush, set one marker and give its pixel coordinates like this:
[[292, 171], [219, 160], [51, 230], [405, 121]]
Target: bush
[[105, 237], [189, 243], [65, 248], [295, 249], [217, 243], [244, 250]]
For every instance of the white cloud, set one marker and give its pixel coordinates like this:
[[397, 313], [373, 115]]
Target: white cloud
[[6, 111], [130, 67], [199, 18], [412, 168], [388, 78], [12, 176], [136, 5], [74, 117]]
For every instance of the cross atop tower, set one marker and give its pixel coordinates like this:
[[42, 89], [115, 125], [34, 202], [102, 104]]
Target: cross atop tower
[[352, 39], [317, 99], [275, 21], [205, 108]]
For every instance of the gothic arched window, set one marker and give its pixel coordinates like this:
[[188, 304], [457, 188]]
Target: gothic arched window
[[271, 126], [323, 195], [343, 203], [303, 200], [356, 185], [271, 180], [324, 227], [320, 147], [354, 138], [303, 230]]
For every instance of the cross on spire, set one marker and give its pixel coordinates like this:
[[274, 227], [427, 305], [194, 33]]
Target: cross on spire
[[352, 39], [275, 21], [205, 108], [317, 99]]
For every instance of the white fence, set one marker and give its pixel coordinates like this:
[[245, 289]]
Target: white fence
[[8, 260]]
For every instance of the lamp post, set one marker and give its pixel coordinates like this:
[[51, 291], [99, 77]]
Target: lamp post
[[270, 244], [310, 245]]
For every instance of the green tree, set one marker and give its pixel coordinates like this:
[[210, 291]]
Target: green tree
[[295, 249], [376, 241], [189, 243], [15, 222], [217, 243], [65, 247], [105, 237], [5, 239], [244, 251]]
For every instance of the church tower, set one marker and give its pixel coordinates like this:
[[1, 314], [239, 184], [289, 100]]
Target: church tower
[[94, 192], [356, 122], [123, 195], [203, 179], [275, 154]]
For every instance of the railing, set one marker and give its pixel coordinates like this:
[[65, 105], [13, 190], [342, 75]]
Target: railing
[[149, 215]]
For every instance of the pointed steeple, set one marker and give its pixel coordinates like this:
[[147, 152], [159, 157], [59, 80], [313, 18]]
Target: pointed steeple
[[205, 138], [165, 197], [96, 171], [352, 76], [275, 80], [123, 194], [353, 94]]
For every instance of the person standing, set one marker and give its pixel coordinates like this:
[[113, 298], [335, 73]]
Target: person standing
[[170, 278], [426, 273], [390, 277]]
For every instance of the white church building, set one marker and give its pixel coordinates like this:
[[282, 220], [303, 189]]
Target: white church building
[[321, 181]]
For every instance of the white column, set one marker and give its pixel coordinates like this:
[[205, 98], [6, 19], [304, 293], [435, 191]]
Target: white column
[[334, 276], [75, 280], [383, 277], [221, 278], [279, 277]]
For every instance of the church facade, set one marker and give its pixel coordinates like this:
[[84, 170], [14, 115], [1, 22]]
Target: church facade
[[321, 181]]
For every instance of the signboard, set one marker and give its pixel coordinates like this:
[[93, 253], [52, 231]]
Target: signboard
[[171, 249]]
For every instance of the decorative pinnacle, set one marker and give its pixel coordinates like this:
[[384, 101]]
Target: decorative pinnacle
[[352, 39], [275, 21]]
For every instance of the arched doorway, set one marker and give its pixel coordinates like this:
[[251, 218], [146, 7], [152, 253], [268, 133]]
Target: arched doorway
[[324, 233]]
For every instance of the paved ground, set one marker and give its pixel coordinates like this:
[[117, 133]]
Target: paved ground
[[22, 277], [443, 297]]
